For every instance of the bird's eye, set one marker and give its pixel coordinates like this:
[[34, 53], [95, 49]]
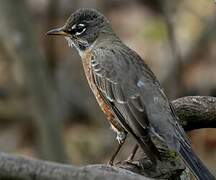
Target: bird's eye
[[80, 28]]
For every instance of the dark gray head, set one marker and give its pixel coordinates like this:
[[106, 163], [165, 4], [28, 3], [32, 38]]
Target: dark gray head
[[83, 27]]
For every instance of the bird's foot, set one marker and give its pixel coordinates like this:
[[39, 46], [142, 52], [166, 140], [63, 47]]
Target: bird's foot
[[127, 163]]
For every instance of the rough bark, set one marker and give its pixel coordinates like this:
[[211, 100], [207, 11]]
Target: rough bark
[[196, 112]]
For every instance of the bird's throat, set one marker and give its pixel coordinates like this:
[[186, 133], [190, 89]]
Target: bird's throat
[[78, 44]]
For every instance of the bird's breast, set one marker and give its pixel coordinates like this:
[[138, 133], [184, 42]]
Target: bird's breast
[[86, 60]]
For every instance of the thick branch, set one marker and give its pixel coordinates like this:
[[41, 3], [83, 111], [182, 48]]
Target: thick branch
[[22, 168], [196, 112]]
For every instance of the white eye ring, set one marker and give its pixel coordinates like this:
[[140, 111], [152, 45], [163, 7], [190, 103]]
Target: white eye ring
[[79, 33], [82, 25]]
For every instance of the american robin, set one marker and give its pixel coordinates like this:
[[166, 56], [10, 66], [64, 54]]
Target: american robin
[[126, 89]]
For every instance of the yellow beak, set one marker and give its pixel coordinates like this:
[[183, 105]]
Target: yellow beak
[[58, 31]]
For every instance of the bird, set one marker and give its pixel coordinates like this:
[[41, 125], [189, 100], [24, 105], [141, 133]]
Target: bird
[[126, 89]]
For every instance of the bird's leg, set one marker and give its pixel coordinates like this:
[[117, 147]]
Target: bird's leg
[[133, 153], [121, 136], [111, 161]]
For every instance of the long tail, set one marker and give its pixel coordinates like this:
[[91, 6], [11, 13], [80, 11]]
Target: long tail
[[194, 163]]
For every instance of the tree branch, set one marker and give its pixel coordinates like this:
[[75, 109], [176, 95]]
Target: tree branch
[[22, 168], [196, 112]]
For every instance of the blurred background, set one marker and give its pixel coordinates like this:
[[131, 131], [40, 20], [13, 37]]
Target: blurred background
[[46, 108]]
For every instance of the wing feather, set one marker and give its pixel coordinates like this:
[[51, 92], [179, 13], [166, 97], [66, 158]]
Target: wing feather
[[119, 89]]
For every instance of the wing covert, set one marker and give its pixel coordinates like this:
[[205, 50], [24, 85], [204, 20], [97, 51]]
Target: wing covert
[[116, 80]]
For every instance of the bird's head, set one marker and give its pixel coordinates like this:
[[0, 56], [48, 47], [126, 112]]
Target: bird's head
[[83, 28]]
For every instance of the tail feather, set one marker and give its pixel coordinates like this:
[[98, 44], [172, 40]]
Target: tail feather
[[199, 170]]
